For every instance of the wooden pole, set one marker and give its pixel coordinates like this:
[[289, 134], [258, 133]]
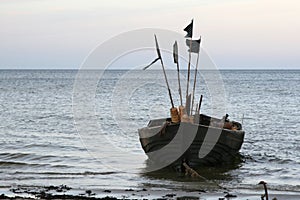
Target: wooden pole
[[176, 60], [195, 79], [188, 78], [189, 30], [200, 102], [180, 93], [192, 172], [163, 67], [188, 104]]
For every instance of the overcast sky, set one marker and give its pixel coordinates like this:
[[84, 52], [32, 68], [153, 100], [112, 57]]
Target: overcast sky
[[59, 34]]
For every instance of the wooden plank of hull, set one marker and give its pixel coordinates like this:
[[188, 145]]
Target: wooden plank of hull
[[224, 150]]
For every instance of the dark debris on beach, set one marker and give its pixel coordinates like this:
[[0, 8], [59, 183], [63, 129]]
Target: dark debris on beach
[[60, 192], [63, 192], [49, 192]]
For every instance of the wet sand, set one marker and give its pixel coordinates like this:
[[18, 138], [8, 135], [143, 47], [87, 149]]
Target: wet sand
[[65, 192]]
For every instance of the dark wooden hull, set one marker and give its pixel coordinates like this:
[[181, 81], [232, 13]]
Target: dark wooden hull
[[183, 141]]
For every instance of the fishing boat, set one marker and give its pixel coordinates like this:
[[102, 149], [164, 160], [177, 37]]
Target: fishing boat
[[189, 136], [160, 133]]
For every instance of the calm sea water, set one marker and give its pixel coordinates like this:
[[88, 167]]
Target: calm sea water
[[41, 145]]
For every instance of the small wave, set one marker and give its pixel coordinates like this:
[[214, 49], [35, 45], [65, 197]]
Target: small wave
[[65, 173], [267, 158], [281, 161], [55, 146], [14, 155], [271, 187], [11, 163]]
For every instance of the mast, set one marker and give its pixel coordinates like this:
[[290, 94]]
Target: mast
[[163, 67], [195, 78], [188, 81], [200, 102], [175, 56], [189, 30]]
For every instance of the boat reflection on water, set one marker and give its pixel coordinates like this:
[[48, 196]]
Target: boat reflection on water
[[213, 178]]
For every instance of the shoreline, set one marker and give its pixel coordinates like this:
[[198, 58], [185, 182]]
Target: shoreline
[[65, 192]]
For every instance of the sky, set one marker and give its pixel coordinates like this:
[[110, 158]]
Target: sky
[[237, 34]]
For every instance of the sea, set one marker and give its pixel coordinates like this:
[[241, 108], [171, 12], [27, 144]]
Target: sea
[[80, 128]]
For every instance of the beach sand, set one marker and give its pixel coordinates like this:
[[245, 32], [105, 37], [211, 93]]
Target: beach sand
[[65, 192]]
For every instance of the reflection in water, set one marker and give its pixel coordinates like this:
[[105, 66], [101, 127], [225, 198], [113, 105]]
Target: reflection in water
[[214, 177]]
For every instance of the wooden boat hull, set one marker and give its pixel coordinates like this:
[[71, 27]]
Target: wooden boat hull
[[160, 134]]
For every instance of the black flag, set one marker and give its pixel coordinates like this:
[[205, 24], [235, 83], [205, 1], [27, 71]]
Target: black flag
[[189, 30], [194, 45], [175, 52]]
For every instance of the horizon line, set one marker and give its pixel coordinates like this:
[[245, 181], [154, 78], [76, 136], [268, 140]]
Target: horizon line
[[73, 69]]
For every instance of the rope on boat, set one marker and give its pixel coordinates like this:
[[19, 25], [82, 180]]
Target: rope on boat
[[192, 172]]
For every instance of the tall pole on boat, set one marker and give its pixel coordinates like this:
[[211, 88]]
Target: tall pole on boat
[[163, 67], [189, 30], [200, 102], [187, 84], [175, 56], [195, 78]]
